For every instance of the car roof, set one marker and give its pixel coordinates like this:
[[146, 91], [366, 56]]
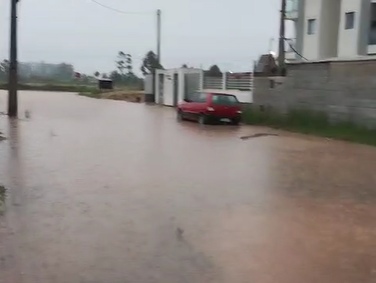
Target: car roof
[[221, 93]]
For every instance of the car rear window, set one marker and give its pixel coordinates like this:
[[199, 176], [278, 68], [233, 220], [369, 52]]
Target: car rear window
[[222, 99], [197, 97]]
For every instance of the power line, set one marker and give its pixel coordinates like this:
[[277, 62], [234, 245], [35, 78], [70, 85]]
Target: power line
[[117, 10], [293, 49]]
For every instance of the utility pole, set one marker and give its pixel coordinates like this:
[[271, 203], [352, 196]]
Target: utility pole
[[281, 55], [159, 26], [13, 74]]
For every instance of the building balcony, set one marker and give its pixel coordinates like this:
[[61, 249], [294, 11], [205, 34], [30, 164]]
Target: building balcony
[[292, 10]]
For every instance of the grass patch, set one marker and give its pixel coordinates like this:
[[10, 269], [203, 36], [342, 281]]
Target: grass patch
[[93, 93], [310, 122]]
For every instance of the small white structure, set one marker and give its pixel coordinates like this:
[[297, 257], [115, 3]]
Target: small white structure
[[326, 29], [172, 86]]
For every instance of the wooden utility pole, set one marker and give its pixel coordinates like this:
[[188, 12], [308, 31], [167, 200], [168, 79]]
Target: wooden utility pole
[[281, 52], [13, 74], [159, 26]]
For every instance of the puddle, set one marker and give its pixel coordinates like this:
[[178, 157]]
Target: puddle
[[258, 135], [2, 199]]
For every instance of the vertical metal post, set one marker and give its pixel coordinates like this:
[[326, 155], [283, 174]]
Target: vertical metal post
[[13, 76], [159, 26], [202, 79], [281, 55], [271, 43]]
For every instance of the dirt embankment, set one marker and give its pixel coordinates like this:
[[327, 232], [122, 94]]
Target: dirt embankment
[[126, 95]]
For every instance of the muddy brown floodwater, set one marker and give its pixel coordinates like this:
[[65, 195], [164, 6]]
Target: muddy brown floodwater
[[111, 192]]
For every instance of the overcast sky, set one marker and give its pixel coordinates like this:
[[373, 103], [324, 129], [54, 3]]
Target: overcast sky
[[230, 33]]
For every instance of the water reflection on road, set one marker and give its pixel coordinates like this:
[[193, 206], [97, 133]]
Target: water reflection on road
[[105, 191]]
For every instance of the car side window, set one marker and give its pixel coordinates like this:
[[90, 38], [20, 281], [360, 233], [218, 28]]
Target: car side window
[[192, 97], [224, 99], [202, 97], [215, 98], [197, 97]]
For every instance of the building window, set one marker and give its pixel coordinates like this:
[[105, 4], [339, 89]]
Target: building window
[[372, 30], [349, 20], [311, 26]]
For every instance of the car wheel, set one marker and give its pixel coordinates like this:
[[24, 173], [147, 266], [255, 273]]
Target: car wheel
[[202, 119], [179, 116]]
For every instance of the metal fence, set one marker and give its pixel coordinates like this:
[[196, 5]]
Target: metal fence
[[240, 81], [230, 81], [213, 82]]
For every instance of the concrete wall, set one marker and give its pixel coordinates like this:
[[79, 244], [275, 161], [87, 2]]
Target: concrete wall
[[364, 27], [331, 39], [312, 10], [300, 28], [348, 39], [345, 90], [328, 36]]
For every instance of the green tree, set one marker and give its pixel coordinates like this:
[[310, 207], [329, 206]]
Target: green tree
[[64, 72], [129, 63], [120, 62], [116, 77], [150, 63], [214, 71], [97, 74], [124, 63]]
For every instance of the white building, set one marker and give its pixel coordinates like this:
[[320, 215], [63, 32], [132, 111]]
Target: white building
[[332, 29], [174, 85]]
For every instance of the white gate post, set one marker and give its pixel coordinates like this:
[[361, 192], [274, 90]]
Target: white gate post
[[224, 81], [202, 80]]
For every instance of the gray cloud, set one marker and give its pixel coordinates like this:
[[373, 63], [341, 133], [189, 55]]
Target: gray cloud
[[196, 32]]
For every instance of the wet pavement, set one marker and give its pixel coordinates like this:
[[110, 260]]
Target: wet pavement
[[111, 192]]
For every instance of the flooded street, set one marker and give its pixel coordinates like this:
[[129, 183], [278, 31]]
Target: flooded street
[[103, 191]]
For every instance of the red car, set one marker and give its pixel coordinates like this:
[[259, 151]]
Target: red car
[[208, 107]]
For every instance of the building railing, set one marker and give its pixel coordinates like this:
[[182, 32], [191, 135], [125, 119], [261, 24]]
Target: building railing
[[213, 82], [292, 8], [240, 81], [292, 5], [230, 81]]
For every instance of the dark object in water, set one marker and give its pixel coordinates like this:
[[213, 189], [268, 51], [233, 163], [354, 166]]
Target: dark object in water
[[179, 233], [2, 199], [258, 135]]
